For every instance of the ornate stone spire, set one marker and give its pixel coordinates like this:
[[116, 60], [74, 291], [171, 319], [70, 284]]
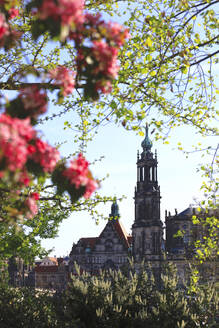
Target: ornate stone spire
[[146, 143]]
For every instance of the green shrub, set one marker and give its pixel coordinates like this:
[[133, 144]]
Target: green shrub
[[114, 300], [110, 300]]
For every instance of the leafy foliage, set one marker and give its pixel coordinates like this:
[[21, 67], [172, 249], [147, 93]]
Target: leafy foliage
[[110, 300], [116, 300], [26, 308]]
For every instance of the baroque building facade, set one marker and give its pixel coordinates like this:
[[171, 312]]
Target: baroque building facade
[[114, 246], [110, 250]]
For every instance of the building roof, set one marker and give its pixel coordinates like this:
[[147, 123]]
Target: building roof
[[88, 241], [187, 212], [47, 268], [52, 260], [120, 230], [123, 235]]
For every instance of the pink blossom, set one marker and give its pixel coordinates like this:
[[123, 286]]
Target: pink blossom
[[106, 56], [103, 66], [91, 186], [66, 11], [24, 178], [49, 9], [79, 175], [77, 172], [31, 149], [103, 86], [65, 78], [14, 135], [72, 11], [35, 195], [45, 155], [32, 208], [18, 144], [4, 28], [34, 100], [13, 13], [116, 33]]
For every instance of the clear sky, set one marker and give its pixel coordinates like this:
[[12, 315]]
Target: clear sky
[[178, 177]]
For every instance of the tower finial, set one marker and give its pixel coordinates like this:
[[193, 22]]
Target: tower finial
[[146, 143], [114, 209], [146, 130]]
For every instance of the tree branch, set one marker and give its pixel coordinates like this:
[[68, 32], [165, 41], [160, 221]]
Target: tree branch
[[203, 59], [196, 6], [20, 85]]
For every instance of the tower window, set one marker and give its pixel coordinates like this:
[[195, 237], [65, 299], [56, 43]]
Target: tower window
[[150, 173], [141, 174]]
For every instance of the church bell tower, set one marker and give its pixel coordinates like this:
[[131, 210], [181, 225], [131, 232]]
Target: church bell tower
[[147, 230]]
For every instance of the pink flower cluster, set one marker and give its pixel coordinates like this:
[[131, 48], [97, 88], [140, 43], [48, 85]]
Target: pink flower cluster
[[68, 12], [96, 44], [19, 147], [116, 33], [100, 60], [13, 13], [45, 155], [104, 66], [79, 175], [4, 28], [106, 56], [14, 137], [8, 36], [34, 100], [31, 204], [65, 78], [18, 144]]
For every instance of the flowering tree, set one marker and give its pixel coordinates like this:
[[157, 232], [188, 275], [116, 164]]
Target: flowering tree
[[26, 161]]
